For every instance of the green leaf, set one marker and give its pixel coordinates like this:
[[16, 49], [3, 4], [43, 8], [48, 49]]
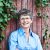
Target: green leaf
[[1, 4], [1, 0], [5, 19], [44, 2], [2, 27], [0, 46], [9, 14], [7, 5], [11, 10], [9, 18], [1, 9], [3, 36], [38, 3], [49, 35], [0, 39], [5, 16], [1, 19], [10, 1]]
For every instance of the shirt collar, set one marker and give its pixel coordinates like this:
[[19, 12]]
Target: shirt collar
[[22, 32]]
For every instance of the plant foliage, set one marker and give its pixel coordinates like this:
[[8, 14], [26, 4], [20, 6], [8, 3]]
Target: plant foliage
[[41, 3], [6, 10]]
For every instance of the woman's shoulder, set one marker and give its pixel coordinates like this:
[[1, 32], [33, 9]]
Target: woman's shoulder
[[14, 33]]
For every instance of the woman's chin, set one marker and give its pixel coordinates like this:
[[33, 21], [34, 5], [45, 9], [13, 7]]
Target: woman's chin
[[26, 27]]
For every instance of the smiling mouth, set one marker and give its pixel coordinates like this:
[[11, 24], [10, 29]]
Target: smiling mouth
[[25, 23]]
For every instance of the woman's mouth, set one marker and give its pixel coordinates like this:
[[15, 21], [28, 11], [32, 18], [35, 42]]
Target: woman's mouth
[[25, 23]]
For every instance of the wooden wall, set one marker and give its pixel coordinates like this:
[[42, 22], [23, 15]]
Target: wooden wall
[[38, 23]]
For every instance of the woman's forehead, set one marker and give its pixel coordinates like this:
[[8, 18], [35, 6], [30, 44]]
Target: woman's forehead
[[25, 16]]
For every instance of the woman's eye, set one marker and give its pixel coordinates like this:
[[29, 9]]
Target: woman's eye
[[22, 18], [27, 18]]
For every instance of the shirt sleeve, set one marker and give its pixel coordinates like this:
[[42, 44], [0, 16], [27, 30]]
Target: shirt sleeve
[[13, 42], [39, 46]]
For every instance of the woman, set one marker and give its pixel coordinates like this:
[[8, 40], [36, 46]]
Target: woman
[[23, 38]]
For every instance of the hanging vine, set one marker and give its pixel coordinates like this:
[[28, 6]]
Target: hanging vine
[[40, 4], [43, 4], [7, 11]]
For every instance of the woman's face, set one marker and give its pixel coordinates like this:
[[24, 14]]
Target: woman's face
[[25, 21]]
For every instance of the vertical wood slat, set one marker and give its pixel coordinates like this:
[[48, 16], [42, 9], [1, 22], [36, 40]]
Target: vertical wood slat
[[34, 24], [12, 25], [3, 42], [18, 5], [7, 31], [29, 5], [24, 4], [34, 16], [39, 27]]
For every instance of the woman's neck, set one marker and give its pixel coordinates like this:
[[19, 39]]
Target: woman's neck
[[26, 30], [27, 33]]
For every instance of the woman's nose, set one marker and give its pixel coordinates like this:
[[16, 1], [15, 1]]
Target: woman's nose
[[24, 19]]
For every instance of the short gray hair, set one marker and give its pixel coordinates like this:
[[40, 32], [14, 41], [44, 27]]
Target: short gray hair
[[25, 12]]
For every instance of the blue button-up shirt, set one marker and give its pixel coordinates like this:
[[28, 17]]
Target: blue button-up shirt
[[18, 40]]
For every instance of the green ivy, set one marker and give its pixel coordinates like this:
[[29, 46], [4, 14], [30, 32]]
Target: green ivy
[[38, 3], [2, 36], [7, 11], [44, 2], [6, 8], [41, 3]]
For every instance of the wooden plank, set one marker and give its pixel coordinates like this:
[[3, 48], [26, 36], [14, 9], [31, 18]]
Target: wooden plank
[[24, 4], [18, 5], [12, 25], [8, 30], [3, 42], [34, 16], [34, 20], [34, 25], [39, 27], [3, 45], [29, 5]]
